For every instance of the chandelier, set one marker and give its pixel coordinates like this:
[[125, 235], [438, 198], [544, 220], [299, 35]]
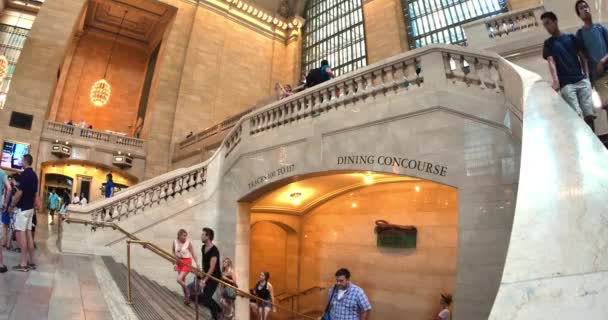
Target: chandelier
[[101, 89], [3, 67]]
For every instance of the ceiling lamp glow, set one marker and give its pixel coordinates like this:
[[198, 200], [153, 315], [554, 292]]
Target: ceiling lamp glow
[[3, 67], [100, 93], [296, 198], [101, 90], [368, 179]]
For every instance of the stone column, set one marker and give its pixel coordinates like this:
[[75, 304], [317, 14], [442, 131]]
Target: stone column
[[385, 34], [160, 116], [35, 75]]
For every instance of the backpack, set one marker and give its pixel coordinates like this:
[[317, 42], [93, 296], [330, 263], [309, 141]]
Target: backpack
[[314, 77]]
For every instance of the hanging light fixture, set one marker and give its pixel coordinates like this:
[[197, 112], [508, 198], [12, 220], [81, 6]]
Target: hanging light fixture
[[101, 89], [3, 59]]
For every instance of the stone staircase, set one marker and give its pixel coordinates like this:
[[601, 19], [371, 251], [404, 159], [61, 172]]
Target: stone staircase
[[151, 301]]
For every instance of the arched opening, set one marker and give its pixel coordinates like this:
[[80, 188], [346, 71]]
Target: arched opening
[[82, 177], [303, 231]]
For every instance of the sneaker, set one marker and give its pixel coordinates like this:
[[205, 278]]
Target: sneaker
[[20, 268], [31, 266], [3, 269]]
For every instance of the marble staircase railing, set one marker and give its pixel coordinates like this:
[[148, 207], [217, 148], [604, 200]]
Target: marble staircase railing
[[556, 262], [148, 194], [432, 67], [62, 131], [509, 32]]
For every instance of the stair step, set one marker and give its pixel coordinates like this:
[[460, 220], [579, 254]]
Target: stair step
[[140, 306], [151, 300]]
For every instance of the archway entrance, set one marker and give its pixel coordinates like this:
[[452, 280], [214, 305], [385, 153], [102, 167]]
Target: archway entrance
[[303, 231]]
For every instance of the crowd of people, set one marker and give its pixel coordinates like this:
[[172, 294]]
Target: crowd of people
[[346, 301], [82, 124], [578, 62], [19, 202]]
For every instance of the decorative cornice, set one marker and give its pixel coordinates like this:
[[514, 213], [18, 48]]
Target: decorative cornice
[[271, 25]]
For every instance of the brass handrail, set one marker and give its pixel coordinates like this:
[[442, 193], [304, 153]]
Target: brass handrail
[[301, 293], [171, 258]]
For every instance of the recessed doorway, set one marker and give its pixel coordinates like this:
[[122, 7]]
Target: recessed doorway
[[303, 231]]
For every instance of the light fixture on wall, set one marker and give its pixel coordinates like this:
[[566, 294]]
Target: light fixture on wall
[[101, 89], [296, 198]]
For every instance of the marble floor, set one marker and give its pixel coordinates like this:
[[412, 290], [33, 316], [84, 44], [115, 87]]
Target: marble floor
[[62, 286]]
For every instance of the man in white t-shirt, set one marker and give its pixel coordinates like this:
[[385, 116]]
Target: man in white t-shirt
[[83, 200], [75, 199]]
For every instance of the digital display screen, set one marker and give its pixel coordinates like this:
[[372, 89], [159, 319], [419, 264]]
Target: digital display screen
[[12, 155]]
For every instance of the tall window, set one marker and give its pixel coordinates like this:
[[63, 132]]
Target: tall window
[[14, 27], [440, 21], [334, 31]]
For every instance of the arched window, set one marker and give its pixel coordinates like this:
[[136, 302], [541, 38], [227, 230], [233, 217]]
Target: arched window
[[334, 31], [440, 21]]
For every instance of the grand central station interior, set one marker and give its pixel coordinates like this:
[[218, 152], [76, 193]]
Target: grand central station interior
[[420, 146]]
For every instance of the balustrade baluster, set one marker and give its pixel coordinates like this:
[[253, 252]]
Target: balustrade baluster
[[124, 207], [115, 212], [192, 179], [163, 192], [156, 195], [495, 76], [350, 89], [178, 185], [140, 202], [170, 189], [199, 176], [482, 72], [132, 205], [147, 198]]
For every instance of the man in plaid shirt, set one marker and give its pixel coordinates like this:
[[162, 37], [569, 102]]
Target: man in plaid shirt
[[346, 300]]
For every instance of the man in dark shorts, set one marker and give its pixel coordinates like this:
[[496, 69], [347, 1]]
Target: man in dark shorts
[[24, 205], [211, 266]]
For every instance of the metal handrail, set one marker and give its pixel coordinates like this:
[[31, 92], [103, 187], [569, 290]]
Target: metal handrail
[[301, 293], [171, 258]]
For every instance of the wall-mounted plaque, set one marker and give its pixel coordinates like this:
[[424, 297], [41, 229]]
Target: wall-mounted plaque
[[395, 236]]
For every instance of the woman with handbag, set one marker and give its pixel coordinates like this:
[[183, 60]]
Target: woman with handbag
[[228, 293]]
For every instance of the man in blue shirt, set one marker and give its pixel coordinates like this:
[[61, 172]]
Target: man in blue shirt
[[109, 187], [25, 202], [346, 300], [568, 68], [594, 38], [53, 205]]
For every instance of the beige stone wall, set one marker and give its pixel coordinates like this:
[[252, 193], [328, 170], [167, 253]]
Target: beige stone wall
[[160, 114], [125, 75], [35, 76], [523, 4], [227, 69], [396, 281], [268, 252], [339, 234], [385, 34]]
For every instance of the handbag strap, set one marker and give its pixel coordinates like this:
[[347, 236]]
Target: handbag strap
[[331, 297]]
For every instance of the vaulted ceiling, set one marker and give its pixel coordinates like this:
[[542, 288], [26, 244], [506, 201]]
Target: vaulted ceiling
[[144, 20], [315, 191]]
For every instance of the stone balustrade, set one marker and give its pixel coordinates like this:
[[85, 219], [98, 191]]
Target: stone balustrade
[[148, 194], [61, 131], [485, 32], [434, 65]]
